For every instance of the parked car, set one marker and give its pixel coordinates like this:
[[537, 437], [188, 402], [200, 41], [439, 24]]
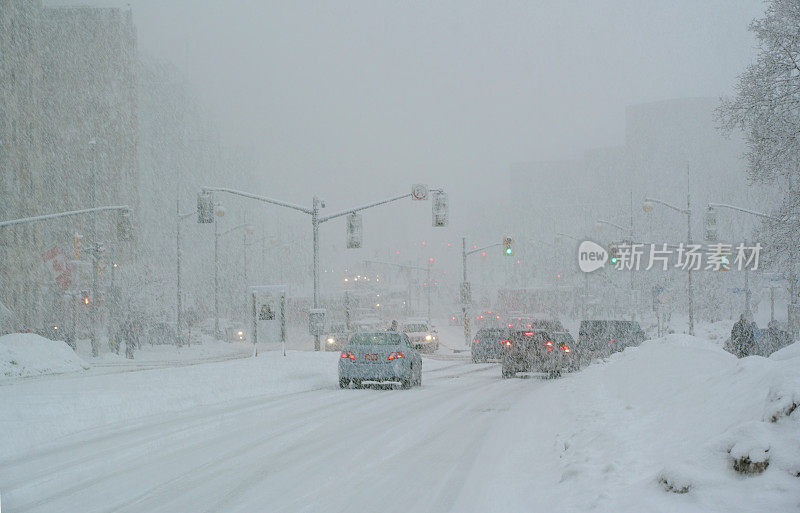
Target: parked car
[[337, 337], [489, 344], [540, 351], [600, 338], [421, 334], [380, 356]]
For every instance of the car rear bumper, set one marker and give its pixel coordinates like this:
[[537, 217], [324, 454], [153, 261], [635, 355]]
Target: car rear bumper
[[388, 371]]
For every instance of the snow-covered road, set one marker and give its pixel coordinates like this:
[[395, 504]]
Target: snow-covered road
[[276, 434], [312, 450]]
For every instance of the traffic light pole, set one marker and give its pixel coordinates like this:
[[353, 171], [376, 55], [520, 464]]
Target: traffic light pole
[[316, 220], [465, 307]]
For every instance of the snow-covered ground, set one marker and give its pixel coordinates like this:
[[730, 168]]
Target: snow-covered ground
[[276, 433], [27, 354]]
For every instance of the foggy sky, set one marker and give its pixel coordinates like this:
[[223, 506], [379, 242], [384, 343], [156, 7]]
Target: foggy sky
[[368, 97]]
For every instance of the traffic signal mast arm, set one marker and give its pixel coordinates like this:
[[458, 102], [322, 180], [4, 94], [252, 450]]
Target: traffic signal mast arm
[[363, 207], [483, 248], [259, 198], [122, 208]]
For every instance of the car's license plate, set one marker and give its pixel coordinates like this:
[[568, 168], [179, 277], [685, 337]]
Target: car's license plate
[[371, 357]]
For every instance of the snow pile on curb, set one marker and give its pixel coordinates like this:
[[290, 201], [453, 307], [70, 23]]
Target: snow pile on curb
[[675, 424], [27, 354]]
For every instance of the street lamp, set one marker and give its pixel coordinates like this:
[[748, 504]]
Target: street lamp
[[648, 206], [220, 212], [629, 230], [792, 278]]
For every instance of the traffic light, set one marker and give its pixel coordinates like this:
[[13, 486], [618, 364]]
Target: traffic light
[[354, 231], [77, 239], [613, 254], [710, 225], [508, 246], [205, 208], [439, 209], [124, 227]]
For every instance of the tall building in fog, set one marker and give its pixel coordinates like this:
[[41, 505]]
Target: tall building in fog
[[21, 272]]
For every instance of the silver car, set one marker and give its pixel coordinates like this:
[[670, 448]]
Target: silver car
[[380, 356]]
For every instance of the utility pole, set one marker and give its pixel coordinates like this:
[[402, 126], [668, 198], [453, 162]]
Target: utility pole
[[95, 251], [466, 289], [315, 206], [689, 236], [179, 318]]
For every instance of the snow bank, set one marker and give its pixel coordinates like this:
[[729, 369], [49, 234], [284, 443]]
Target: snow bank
[[675, 424], [27, 354]]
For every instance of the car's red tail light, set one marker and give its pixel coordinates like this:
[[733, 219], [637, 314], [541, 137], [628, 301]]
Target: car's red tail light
[[549, 343], [565, 349], [612, 340], [510, 325], [506, 343], [349, 355], [395, 356], [476, 341], [528, 333]]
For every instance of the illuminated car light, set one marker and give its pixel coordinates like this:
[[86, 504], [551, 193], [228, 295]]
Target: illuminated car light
[[476, 341], [428, 337], [529, 334], [564, 348], [331, 340], [507, 343], [349, 355], [395, 356], [549, 343]]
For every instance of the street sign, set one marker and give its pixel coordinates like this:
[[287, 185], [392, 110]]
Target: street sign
[[419, 191], [56, 261], [466, 293], [205, 208], [316, 321]]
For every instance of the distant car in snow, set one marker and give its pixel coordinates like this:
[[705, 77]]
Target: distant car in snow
[[489, 344], [539, 351], [600, 338], [421, 334], [380, 356], [337, 337]]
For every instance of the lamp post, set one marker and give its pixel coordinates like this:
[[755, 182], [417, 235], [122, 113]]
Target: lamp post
[[250, 230], [647, 206], [629, 230], [467, 291], [711, 207], [585, 297], [179, 258]]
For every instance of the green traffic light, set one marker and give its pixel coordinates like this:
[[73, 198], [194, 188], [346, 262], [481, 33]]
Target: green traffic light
[[509, 251], [614, 260]]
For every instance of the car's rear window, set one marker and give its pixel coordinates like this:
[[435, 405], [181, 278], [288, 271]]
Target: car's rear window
[[491, 334], [415, 327], [375, 339]]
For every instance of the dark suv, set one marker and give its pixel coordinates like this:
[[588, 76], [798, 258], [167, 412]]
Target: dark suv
[[543, 351], [489, 343], [601, 338]]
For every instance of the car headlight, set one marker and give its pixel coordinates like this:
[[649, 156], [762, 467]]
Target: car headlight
[[428, 337], [241, 333], [331, 340]]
